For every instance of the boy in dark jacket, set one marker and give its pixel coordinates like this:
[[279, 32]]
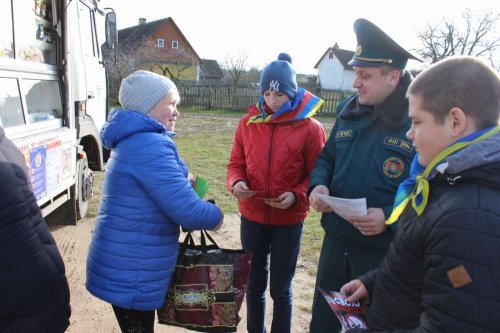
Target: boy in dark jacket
[[34, 292], [442, 272]]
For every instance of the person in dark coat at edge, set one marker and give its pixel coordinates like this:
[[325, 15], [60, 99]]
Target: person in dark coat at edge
[[34, 292], [442, 271], [366, 156]]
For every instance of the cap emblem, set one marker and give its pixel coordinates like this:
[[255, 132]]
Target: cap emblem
[[359, 50], [274, 85]]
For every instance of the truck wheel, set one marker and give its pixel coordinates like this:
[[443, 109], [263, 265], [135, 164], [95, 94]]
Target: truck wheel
[[85, 185]]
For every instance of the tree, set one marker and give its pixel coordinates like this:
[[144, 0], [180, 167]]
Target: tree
[[117, 71], [234, 66], [474, 35]]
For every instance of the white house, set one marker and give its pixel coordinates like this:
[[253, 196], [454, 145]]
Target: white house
[[333, 71]]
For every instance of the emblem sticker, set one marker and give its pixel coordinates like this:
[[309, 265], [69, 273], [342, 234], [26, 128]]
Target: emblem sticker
[[393, 167]]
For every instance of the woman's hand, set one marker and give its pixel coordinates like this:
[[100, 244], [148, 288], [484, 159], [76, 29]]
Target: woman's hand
[[241, 190], [284, 201]]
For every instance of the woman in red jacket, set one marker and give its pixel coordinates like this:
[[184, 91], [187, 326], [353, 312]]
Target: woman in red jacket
[[275, 148]]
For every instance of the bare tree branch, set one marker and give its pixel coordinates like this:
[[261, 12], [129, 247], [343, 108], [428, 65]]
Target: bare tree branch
[[474, 35]]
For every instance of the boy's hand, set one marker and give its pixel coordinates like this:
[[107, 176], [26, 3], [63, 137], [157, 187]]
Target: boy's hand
[[284, 201], [371, 224], [241, 190], [315, 202], [357, 291]]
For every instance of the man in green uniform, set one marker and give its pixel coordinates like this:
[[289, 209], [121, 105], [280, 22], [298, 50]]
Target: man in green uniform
[[366, 156]]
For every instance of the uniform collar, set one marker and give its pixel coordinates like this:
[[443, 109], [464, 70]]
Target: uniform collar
[[393, 111]]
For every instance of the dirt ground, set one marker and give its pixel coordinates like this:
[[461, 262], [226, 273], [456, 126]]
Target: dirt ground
[[91, 315]]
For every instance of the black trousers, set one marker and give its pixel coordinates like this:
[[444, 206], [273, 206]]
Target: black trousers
[[135, 321]]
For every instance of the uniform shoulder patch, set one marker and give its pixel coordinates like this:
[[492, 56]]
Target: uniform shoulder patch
[[393, 167], [398, 143], [344, 134]]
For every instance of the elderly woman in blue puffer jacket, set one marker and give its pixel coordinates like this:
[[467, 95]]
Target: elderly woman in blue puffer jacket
[[146, 198]]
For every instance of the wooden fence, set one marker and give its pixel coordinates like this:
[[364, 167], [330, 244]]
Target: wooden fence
[[229, 98]]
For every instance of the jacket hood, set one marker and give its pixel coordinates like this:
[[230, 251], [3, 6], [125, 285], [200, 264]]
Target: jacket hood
[[479, 162], [124, 123], [478, 154]]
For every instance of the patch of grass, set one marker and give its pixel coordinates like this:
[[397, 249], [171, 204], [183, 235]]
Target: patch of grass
[[96, 198], [207, 156], [305, 308], [230, 113], [312, 239]]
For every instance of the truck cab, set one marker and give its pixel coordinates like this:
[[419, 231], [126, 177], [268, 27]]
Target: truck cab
[[53, 96]]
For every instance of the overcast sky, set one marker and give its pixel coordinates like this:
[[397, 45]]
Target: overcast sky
[[261, 29]]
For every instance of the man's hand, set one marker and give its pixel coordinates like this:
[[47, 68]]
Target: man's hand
[[241, 190], [315, 202], [285, 201], [357, 291], [371, 224]]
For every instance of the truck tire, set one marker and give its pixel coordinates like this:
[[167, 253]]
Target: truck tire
[[85, 187]]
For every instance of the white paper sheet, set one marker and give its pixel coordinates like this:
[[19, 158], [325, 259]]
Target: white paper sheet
[[345, 207]]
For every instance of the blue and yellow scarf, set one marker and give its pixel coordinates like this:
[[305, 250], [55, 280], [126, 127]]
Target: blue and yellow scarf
[[304, 105], [415, 189]]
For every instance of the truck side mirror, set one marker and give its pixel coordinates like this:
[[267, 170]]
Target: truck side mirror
[[111, 31]]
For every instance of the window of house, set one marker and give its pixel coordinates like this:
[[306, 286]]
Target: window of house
[[175, 44], [160, 42], [330, 55]]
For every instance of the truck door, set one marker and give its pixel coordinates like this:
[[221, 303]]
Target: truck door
[[94, 74]]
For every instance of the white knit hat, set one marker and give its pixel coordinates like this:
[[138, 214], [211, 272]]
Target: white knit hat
[[141, 90]]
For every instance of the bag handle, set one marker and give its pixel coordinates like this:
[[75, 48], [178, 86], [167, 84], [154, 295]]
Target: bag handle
[[189, 241], [204, 234]]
